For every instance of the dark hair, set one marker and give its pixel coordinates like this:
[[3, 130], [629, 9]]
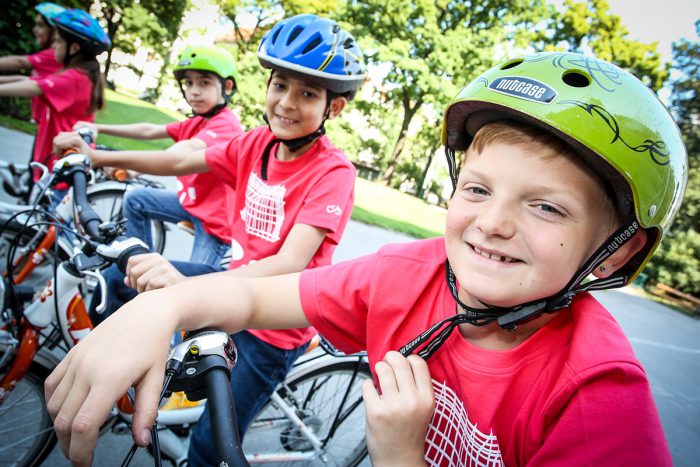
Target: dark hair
[[87, 63]]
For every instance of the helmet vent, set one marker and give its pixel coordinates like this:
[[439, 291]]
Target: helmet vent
[[512, 64], [295, 32], [576, 79], [312, 45], [349, 43], [275, 35]]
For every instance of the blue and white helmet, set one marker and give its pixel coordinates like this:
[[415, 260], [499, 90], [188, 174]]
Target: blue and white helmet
[[318, 50], [49, 10]]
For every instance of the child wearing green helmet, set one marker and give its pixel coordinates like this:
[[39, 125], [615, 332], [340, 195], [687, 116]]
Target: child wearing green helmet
[[208, 78], [572, 167], [293, 196]]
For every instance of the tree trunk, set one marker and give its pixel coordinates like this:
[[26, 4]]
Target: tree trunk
[[408, 114]]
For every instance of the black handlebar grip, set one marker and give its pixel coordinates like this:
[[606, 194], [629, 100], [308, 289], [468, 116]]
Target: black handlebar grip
[[128, 253], [224, 425], [89, 219]]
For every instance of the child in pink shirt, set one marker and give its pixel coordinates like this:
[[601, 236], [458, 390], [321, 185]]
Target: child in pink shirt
[[42, 63], [486, 345], [73, 93], [207, 76]]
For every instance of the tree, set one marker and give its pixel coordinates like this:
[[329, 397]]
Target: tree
[[433, 48], [153, 23], [589, 25], [677, 261]]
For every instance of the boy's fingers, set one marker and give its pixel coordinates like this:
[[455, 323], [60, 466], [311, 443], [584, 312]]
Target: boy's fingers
[[86, 426], [420, 370], [65, 415], [402, 371], [146, 406], [385, 378], [55, 379]]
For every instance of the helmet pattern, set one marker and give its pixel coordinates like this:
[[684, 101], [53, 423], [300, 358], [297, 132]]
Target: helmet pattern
[[609, 117], [84, 29], [317, 49], [49, 10], [207, 58]]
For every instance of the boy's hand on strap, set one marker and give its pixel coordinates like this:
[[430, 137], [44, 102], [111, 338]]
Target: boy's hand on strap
[[69, 139], [129, 348], [149, 272], [398, 419]]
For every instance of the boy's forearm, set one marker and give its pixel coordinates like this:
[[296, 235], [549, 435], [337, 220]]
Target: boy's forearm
[[152, 162], [133, 130], [24, 87], [11, 78], [14, 63], [234, 304]]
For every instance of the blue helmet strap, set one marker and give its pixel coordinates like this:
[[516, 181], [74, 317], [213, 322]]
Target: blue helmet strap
[[509, 317]]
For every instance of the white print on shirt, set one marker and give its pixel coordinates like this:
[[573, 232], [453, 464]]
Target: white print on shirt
[[263, 213], [334, 209], [212, 134], [236, 250], [452, 439], [192, 193]]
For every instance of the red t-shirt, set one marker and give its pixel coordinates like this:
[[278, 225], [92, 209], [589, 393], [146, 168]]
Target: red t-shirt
[[316, 189], [66, 95], [204, 195], [571, 394], [43, 64]]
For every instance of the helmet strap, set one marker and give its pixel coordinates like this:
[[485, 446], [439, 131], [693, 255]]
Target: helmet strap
[[510, 317]]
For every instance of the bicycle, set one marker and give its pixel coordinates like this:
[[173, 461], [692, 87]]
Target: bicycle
[[314, 417], [309, 429]]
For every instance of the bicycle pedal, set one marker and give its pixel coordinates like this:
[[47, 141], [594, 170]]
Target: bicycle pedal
[[179, 401]]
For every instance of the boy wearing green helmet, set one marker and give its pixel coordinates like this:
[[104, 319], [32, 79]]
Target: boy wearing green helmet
[[207, 77], [572, 167]]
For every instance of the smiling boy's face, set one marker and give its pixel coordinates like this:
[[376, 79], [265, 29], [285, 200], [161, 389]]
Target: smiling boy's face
[[519, 225], [295, 107]]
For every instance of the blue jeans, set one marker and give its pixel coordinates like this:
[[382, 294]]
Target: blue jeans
[[260, 368], [142, 205], [118, 293]]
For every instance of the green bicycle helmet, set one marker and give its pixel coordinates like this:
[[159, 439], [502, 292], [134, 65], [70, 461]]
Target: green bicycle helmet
[[612, 120], [210, 59]]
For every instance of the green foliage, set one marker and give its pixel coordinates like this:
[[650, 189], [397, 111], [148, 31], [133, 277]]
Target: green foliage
[[431, 49], [677, 262], [590, 25]]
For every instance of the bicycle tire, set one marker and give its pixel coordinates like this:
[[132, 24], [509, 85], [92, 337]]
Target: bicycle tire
[[25, 424], [318, 394], [107, 202], [43, 271]]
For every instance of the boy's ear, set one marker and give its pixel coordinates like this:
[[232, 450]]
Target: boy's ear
[[621, 256], [228, 85], [336, 107], [74, 48]]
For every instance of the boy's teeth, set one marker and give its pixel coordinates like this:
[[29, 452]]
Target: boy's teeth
[[494, 257]]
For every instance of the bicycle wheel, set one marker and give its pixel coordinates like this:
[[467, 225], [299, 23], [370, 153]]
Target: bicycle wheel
[[107, 202], [28, 242], [26, 429], [318, 399]]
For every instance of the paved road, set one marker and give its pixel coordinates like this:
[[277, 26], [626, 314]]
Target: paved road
[[665, 341]]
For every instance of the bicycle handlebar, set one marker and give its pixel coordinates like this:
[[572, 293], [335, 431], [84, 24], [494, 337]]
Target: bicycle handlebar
[[89, 219]]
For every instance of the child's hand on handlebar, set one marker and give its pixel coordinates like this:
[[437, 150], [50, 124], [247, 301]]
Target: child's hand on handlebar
[[71, 140], [150, 272], [91, 126], [83, 388], [398, 419]]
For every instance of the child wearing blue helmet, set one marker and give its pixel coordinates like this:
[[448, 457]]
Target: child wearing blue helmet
[[73, 93], [293, 195]]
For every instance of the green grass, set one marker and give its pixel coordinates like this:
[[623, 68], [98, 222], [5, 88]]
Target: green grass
[[124, 109], [379, 205], [375, 204]]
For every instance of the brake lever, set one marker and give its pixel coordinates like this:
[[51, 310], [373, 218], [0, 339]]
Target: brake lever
[[103, 290]]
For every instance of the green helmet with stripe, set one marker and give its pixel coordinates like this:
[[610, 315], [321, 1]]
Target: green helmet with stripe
[[609, 117]]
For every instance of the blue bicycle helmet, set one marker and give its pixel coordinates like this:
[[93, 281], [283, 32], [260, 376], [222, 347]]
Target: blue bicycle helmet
[[49, 11], [78, 26], [318, 50]]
